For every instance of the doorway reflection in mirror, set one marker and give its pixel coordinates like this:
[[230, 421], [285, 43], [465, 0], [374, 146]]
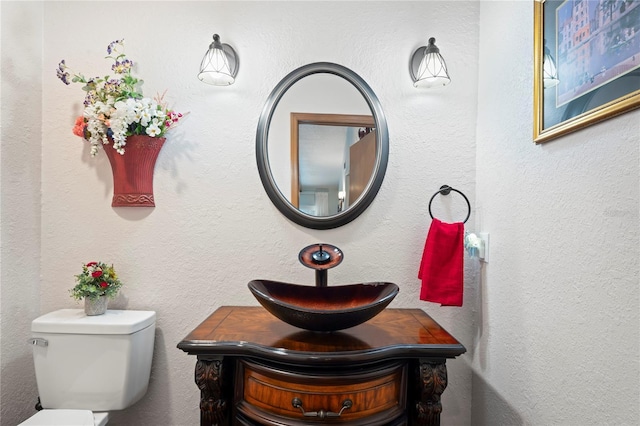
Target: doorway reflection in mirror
[[332, 160], [319, 100]]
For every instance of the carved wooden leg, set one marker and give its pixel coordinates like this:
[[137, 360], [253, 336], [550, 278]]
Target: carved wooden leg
[[432, 381], [213, 405]]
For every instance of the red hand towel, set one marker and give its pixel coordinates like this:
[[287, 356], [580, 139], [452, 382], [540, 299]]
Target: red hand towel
[[441, 267]]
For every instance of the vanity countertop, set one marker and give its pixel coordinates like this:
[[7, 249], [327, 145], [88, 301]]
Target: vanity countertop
[[248, 330]]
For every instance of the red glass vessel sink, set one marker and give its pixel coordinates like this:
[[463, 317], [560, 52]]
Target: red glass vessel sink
[[328, 308]]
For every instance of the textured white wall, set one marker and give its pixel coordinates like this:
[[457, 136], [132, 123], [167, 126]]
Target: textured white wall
[[214, 228], [20, 153], [552, 332], [557, 327]]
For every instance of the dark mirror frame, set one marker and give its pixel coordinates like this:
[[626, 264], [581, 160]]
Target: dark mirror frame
[[382, 151]]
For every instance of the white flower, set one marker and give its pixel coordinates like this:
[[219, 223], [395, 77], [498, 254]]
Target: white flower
[[153, 129], [160, 113], [145, 116]]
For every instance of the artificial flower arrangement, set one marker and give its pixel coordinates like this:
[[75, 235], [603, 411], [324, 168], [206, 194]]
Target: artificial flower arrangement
[[115, 108], [97, 279]]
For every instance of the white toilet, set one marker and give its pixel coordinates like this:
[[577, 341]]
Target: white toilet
[[88, 365]]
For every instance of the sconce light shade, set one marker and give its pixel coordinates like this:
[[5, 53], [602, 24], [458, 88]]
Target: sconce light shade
[[219, 65], [549, 71], [427, 66]]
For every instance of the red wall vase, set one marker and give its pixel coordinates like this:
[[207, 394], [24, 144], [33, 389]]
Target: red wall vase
[[133, 171]]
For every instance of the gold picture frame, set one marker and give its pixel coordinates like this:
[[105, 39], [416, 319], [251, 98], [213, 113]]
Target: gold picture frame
[[596, 45]]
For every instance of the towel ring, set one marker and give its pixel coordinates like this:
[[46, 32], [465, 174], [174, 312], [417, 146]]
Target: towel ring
[[445, 190]]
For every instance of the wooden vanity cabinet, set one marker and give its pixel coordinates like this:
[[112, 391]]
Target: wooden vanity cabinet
[[253, 369], [270, 394]]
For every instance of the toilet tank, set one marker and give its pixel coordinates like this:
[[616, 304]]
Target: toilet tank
[[97, 363]]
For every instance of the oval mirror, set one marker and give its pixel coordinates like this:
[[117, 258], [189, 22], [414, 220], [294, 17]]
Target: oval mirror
[[322, 145]]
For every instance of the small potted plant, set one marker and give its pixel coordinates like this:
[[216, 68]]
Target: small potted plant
[[95, 284]]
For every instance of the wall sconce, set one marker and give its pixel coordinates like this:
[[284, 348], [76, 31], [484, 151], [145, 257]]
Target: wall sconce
[[219, 65], [427, 66], [549, 70]]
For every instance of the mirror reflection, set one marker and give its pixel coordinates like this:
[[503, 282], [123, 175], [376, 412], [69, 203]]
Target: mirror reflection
[[311, 183], [332, 160]]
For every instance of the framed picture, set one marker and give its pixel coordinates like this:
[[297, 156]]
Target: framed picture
[[587, 63]]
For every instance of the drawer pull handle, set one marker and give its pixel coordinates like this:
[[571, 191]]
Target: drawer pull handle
[[297, 403]]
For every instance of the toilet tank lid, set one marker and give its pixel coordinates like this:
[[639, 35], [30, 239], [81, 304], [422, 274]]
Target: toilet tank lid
[[75, 321]]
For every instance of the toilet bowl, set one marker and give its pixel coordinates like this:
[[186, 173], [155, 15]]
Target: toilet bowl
[[87, 366]]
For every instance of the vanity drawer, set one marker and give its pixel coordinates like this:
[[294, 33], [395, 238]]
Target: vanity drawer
[[275, 395]]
